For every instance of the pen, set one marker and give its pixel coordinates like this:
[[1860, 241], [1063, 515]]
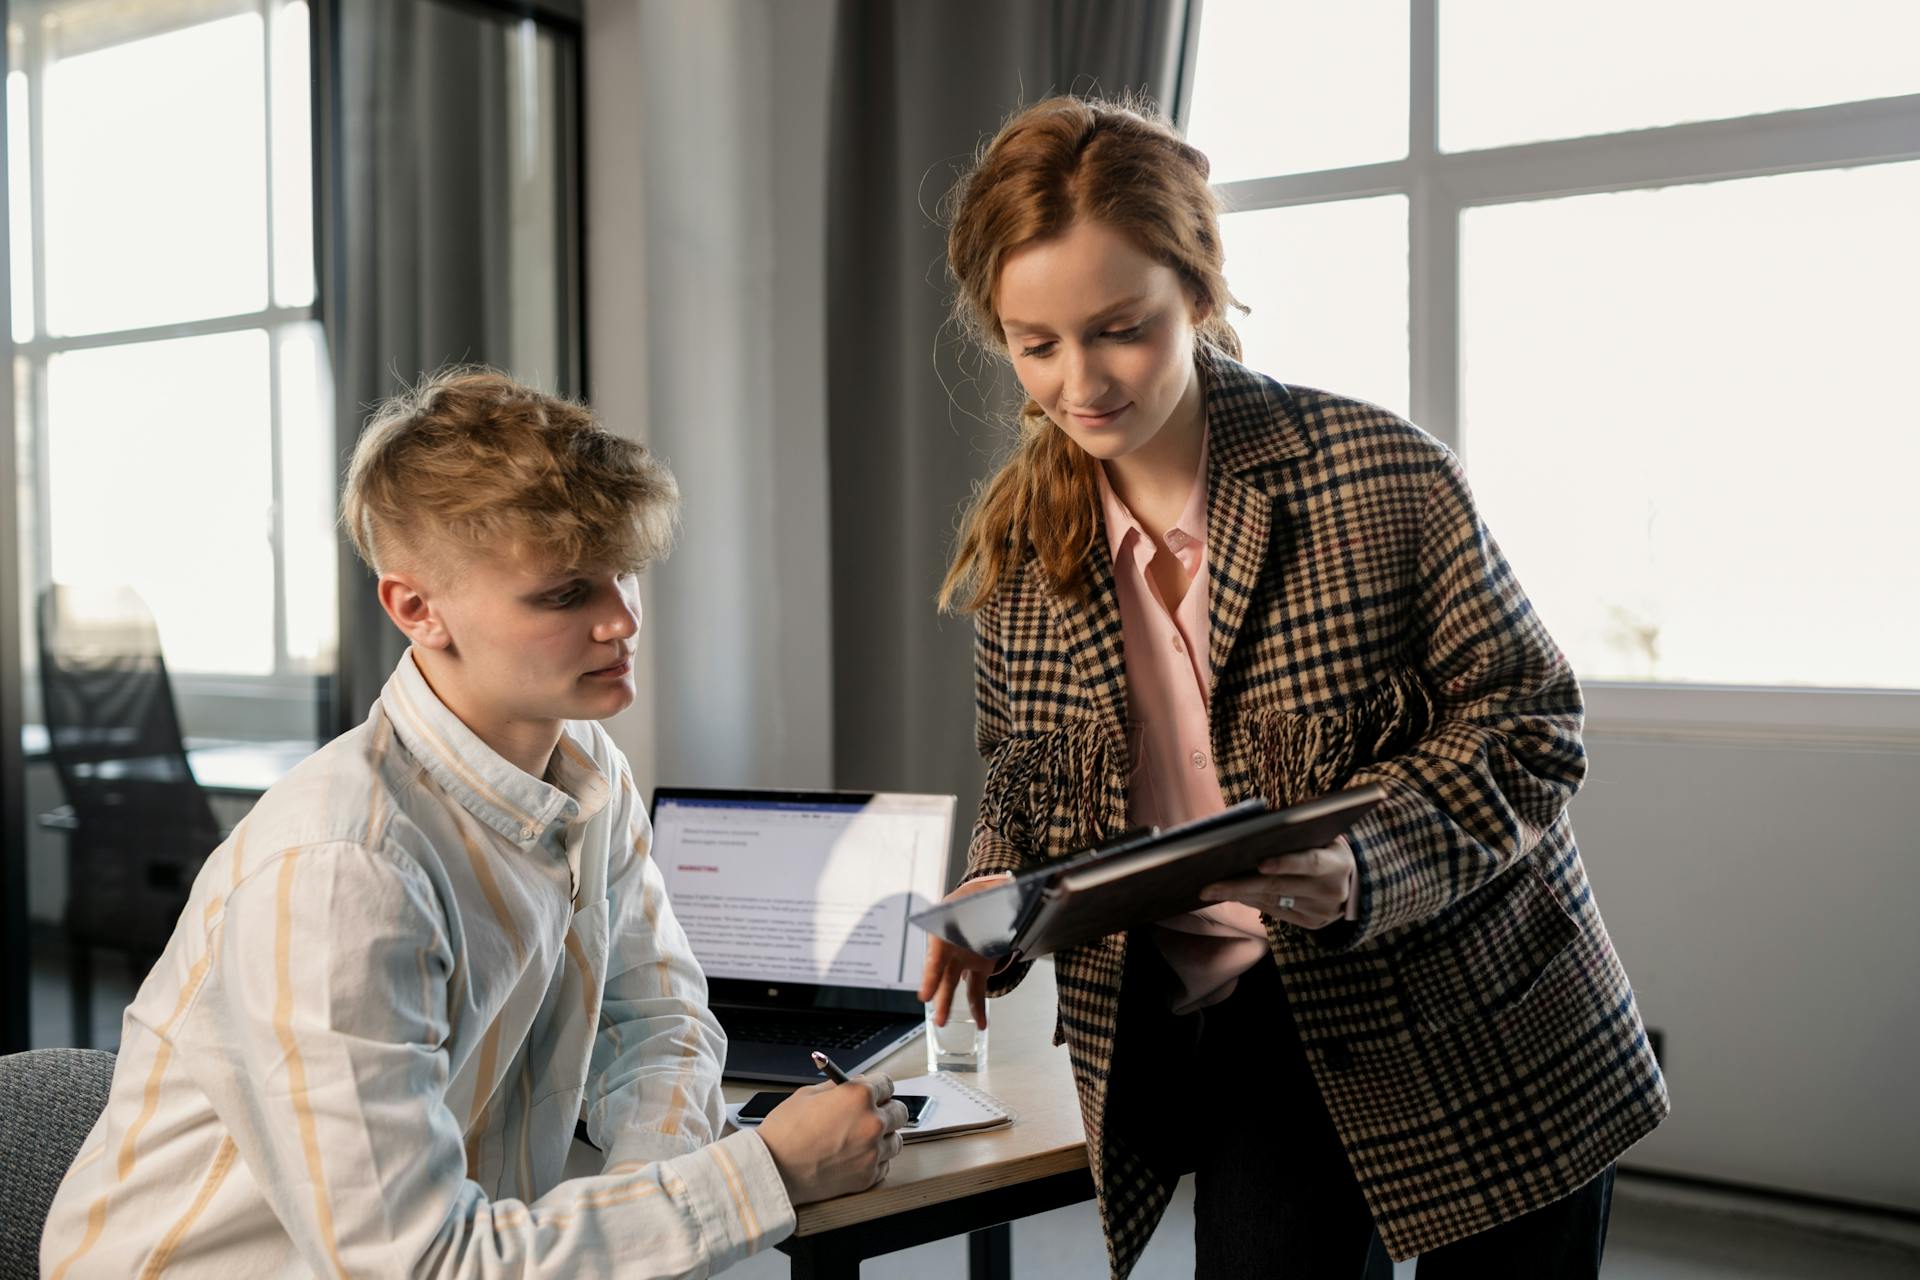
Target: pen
[[828, 1065]]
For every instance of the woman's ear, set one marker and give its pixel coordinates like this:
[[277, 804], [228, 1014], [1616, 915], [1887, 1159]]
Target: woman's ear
[[1201, 310]]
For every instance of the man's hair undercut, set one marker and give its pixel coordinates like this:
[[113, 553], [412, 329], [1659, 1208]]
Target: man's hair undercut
[[471, 460]]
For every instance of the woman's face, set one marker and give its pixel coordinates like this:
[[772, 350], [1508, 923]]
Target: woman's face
[[1101, 337]]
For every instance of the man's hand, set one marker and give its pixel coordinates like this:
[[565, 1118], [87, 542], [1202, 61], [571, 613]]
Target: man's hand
[[1308, 888], [832, 1140], [946, 964]]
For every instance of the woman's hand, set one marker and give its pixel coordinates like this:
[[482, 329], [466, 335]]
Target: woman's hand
[[1308, 888], [946, 964]]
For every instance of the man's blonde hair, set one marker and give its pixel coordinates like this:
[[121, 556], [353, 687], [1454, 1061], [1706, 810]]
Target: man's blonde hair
[[470, 460]]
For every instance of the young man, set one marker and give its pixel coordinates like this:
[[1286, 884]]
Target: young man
[[440, 941]]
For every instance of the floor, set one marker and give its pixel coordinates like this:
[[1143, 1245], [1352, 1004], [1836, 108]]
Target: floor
[[50, 999], [1658, 1231]]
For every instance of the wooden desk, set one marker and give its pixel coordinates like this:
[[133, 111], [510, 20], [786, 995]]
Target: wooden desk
[[972, 1182]]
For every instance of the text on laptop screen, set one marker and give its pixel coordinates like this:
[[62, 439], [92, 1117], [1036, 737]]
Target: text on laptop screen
[[804, 891]]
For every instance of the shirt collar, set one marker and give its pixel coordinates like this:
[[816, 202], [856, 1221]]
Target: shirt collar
[[1121, 523], [500, 794]]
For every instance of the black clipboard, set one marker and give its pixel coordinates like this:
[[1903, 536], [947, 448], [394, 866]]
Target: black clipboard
[[1141, 877]]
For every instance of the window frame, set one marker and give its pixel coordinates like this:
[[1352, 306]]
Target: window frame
[[283, 702], [1441, 185]]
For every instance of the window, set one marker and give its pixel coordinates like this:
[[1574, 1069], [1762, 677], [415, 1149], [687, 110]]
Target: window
[[173, 397], [1649, 268]]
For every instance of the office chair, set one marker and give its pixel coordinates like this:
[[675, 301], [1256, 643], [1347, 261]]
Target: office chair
[[50, 1098], [141, 826]]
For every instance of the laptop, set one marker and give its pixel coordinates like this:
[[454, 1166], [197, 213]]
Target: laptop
[[796, 905]]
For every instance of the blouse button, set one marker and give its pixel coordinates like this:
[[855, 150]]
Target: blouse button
[[1199, 759], [1177, 538], [1179, 645]]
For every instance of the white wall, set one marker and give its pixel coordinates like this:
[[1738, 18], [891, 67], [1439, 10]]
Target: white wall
[[706, 147], [1762, 890]]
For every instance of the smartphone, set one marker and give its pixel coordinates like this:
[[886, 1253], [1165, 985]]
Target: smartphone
[[759, 1104]]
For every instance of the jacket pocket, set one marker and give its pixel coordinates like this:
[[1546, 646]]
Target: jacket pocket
[[1486, 954]]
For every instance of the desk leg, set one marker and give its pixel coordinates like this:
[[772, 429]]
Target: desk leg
[[990, 1253], [989, 1257], [80, 980], [819, 1258], [983, 1217]]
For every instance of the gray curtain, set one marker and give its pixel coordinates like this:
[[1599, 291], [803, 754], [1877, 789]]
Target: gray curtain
[[419, 233], [914, 418]]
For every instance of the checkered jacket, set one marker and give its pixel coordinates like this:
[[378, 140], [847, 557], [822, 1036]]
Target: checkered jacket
[[1473, 1033]]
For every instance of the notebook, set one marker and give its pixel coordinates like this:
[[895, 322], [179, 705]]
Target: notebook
[[957, 1107]]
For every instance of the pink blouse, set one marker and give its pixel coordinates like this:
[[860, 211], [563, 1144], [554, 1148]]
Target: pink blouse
[[1169, 673]]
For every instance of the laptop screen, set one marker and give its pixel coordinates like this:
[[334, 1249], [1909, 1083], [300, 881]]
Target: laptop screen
[[804, 887]]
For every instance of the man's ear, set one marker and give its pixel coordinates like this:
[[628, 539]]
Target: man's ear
[[404, 596]]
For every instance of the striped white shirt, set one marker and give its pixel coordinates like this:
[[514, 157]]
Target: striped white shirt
[[393, 990]]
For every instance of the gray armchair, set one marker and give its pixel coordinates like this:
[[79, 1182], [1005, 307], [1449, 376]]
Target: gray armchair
[[49, 1099]]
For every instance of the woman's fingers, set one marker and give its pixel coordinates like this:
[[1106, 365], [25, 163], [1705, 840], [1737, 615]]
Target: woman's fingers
[[934, 969], [977, 995], [1274, 887], [943, 996], [1308, 901]]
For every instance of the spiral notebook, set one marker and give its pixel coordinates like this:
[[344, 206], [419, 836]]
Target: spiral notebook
[[958, 1107]]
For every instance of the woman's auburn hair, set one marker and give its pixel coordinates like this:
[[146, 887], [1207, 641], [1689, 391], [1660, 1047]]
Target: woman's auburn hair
[[1051, 165]]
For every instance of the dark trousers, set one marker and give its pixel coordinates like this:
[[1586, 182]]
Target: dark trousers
[[1274, 1194]]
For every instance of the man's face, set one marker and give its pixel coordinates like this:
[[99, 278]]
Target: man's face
[[528, 644]]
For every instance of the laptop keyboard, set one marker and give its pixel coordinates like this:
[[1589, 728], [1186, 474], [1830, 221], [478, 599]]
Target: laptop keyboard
[[816, 1030]]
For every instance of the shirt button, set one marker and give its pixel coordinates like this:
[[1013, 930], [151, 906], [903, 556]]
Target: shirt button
[[1199, 759], [1179, 645], [526, 833], [1177, 539]]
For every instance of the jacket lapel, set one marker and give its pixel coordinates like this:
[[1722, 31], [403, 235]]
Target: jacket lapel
[[1090, 629], [1252, 422], [1239, 517]]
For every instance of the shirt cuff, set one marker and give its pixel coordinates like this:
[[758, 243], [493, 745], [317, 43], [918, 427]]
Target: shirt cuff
[[738, 1196], [637, 1147]]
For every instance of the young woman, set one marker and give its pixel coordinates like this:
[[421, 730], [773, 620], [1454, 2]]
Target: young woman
[[1193, 585]]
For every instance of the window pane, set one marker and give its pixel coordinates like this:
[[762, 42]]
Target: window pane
[[182, 511], [1691, 419], [26, 549], [292, 156], [1299, 85], [307, 471], [20, 206], [1327, 284], [535, 159], [156, 179], [1515, 71]]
